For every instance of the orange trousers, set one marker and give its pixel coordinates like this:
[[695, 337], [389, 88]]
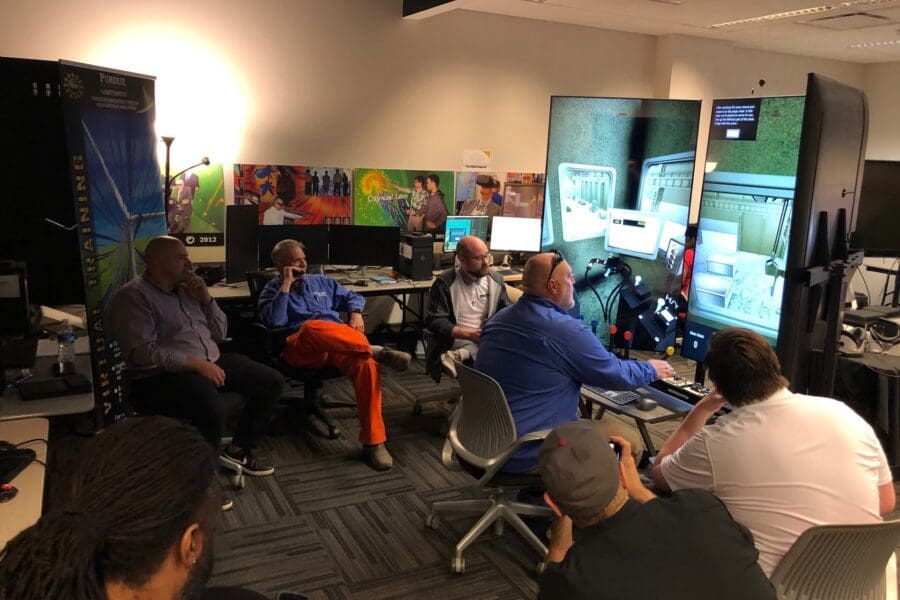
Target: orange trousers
[[319, 344]]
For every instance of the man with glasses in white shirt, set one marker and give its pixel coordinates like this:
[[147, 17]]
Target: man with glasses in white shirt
[[462, 300]]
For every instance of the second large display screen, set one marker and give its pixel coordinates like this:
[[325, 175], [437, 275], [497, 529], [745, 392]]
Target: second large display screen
[[745, 219]]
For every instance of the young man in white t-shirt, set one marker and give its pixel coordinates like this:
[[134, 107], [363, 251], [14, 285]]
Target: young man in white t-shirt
[[780, 462]]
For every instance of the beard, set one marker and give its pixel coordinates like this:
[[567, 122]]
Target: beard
[[480, 272]]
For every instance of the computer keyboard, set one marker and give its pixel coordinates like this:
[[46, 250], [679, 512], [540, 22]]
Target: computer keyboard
[[619, 397]]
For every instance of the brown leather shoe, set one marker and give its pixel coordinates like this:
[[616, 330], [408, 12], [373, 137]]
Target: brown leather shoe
[[378, 457], [399, 361]]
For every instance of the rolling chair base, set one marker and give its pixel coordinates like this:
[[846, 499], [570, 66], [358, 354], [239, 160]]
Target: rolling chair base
[[495, 510]]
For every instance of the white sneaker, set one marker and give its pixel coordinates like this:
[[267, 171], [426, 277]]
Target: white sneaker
[[451, 357]]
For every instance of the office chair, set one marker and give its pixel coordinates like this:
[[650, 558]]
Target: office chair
[[832, 562], [482, 437], [268, 346]]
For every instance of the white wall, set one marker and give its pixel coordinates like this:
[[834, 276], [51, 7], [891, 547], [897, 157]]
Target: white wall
[[881, 83], [349, 82]]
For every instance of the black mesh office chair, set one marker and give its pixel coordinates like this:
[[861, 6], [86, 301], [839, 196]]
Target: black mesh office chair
[[267, 346]]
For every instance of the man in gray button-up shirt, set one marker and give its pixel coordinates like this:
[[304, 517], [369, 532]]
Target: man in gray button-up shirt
[[168, 326]]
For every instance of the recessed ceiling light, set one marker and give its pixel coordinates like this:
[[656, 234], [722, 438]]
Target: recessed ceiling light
[[876, 44], [852, 3], [773, 17]]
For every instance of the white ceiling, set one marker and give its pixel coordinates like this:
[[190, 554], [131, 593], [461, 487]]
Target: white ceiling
[[827, 33]]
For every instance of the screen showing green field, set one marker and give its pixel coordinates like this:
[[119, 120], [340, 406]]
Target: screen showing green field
[[745, 219]]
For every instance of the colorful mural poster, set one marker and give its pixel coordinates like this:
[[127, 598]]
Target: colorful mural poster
[[473, 198], [195, 211], [299, 195], [111, 141], [524, 195], [417, 201]]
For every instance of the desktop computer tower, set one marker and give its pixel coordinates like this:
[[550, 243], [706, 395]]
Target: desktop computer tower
[[416, 255]]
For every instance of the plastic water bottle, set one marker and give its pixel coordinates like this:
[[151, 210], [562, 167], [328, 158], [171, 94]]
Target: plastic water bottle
[[65, 357]]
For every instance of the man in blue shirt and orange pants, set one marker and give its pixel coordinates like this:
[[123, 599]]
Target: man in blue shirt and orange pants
[[312, 304], [540, 356]]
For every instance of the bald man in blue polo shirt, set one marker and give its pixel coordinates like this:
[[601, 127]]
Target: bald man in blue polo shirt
[[541, 356]]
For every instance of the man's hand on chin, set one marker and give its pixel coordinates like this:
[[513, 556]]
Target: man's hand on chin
[[196, 288]]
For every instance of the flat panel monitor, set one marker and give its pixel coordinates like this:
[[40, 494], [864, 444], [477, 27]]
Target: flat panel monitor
[[829, 181], [241, 241], [878, 215], [363, 245], [633, 233], [746, 208], [617, 166], [460, 227], [515, 234], [313, 237]]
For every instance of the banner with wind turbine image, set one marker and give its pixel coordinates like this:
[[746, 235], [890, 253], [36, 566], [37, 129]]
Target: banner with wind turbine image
[[112, 144]]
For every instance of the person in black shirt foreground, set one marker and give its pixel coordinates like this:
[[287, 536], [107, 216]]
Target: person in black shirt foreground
[[628, 543]]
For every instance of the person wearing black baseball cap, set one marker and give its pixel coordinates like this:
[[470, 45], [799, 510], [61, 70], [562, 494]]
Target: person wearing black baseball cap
[[627, 542]]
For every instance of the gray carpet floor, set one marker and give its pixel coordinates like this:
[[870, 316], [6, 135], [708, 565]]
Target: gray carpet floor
[[327, 525]]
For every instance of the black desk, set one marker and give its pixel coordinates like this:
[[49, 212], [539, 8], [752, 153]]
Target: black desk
[[871, 385], [669, 409]]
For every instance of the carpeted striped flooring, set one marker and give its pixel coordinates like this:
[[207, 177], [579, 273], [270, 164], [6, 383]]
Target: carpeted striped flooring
[[327, 525]]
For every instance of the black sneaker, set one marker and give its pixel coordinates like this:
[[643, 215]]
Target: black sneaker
[[256, 466]]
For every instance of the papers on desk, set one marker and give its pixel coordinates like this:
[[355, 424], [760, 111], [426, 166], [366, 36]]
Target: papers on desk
[[50, 347], [59, 316], [382, 279]]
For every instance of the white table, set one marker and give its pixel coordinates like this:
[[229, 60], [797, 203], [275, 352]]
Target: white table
[[13, 407], [25, 509]]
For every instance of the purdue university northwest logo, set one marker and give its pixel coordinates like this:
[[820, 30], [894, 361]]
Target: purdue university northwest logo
[[72, 86]]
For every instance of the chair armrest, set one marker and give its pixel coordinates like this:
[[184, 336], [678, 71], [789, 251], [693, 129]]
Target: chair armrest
[[270, 339], [498, 461]]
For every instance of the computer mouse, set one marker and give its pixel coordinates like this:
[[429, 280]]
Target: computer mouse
[[645, 403]]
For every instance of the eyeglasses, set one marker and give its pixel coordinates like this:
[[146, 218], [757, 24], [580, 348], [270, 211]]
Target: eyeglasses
[[557, 258], [488, 258]]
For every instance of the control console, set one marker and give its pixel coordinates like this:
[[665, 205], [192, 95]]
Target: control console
[[681, 388]]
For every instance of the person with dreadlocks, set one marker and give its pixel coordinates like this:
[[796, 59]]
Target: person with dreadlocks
[[136, 520]]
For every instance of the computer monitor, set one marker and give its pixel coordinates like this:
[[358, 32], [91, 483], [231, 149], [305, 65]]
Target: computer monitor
[[633, 232], [610, 160], [14, 317], [746, 206], [363, 245], [877, 217], [460, 227], [783, 194], [313, 237], [829, 182], [515, 234]]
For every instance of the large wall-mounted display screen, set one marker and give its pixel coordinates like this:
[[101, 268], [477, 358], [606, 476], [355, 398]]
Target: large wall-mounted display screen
[[619, 175], [746, 210]]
